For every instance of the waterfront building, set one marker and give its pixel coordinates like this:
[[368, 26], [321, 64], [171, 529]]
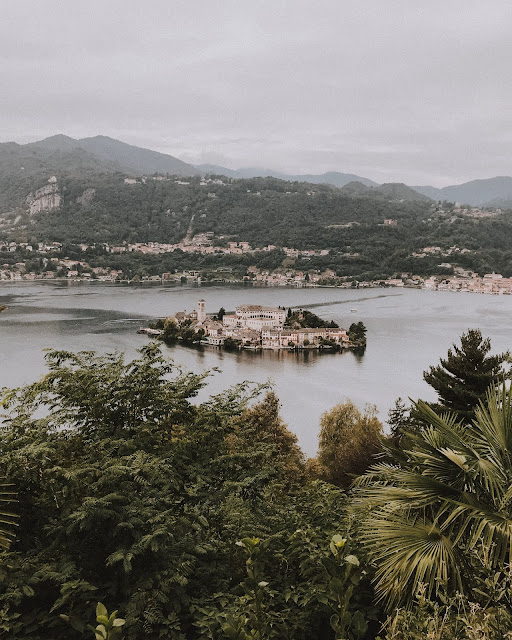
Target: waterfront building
[[257, 326], [255, 316]]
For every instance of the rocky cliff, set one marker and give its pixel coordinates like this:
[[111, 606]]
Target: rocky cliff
[[46, 198]]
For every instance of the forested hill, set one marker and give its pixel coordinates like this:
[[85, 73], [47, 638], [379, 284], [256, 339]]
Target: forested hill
[[126, 157], [259, 210], [366, 236], [21, 163], [334, 178], [24, 167], [388, 191]]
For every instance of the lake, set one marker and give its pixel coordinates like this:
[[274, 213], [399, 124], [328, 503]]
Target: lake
[[408, 330]]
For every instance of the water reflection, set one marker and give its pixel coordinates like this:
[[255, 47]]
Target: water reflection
[[407, 332]]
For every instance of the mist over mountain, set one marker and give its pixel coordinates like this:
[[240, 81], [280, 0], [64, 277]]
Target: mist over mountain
[[334, 178], [21, 163], [491, 192]]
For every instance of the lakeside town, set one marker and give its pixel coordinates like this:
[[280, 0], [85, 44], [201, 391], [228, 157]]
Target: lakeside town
[[257, 327], [68, 269]]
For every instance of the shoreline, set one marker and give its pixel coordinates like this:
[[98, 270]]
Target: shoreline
[[237, 283], [156, 335]]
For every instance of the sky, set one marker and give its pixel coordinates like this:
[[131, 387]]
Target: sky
[[394, 90]]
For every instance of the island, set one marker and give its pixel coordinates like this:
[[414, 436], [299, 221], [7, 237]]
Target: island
[[257, 327]]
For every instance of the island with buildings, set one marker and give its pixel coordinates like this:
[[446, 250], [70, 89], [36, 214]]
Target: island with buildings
[[257, 327]]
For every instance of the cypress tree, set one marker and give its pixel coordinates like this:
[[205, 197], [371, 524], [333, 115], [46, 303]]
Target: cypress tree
[[463, 377]]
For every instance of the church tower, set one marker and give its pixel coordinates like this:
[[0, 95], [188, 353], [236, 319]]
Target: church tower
[[201, 311]]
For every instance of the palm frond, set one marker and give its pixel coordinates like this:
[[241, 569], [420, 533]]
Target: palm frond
[[452, 490], [409, 552]]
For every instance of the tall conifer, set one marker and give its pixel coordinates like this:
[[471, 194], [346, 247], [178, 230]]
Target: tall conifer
[[464, 376]]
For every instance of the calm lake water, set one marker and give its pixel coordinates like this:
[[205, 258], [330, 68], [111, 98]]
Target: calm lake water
[[408, 330]]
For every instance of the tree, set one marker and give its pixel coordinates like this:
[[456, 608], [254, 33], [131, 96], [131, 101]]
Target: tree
[[132, 492], [171, 329], [230, 344], [447, 502], [221, 314], [357, 333], [398, 419], [463, 377], [277, 447], [348, 442]]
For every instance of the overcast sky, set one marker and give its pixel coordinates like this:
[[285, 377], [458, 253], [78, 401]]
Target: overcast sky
[[395, 90]]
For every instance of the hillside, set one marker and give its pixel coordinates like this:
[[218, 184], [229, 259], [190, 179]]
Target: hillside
[[21, 164], [487, 192], [333, 178], [125, 157], [259, 210], [395, 191], [24, 168], [364, 231], [492, 192], [362, 236]]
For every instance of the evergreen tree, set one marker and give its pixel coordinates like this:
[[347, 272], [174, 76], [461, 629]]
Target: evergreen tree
[[463, 377], [398, 419]]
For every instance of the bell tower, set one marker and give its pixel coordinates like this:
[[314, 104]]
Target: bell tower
[[201, 311]]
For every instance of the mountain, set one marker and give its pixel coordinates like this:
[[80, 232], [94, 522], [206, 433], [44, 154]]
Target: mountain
[[490, 191], [25, 168], [126, 157], [395, 191], [332, 177]]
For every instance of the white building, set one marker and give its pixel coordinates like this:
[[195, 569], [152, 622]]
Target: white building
[[255, 316]]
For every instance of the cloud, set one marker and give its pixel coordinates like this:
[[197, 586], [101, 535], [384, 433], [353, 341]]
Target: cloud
[[391, 90]]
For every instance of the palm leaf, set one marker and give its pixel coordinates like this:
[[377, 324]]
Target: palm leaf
[[451, 491]]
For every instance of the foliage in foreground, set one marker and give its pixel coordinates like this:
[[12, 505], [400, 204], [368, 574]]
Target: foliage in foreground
[[449, 496], [198, 521], [109, 626], [133, 494], [456, 617]]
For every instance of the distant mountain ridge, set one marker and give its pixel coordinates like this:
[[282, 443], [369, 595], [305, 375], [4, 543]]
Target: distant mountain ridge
[[61, 153], [127, 157], [390, 191], [488, 191], [334, 178], [485, 192]]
